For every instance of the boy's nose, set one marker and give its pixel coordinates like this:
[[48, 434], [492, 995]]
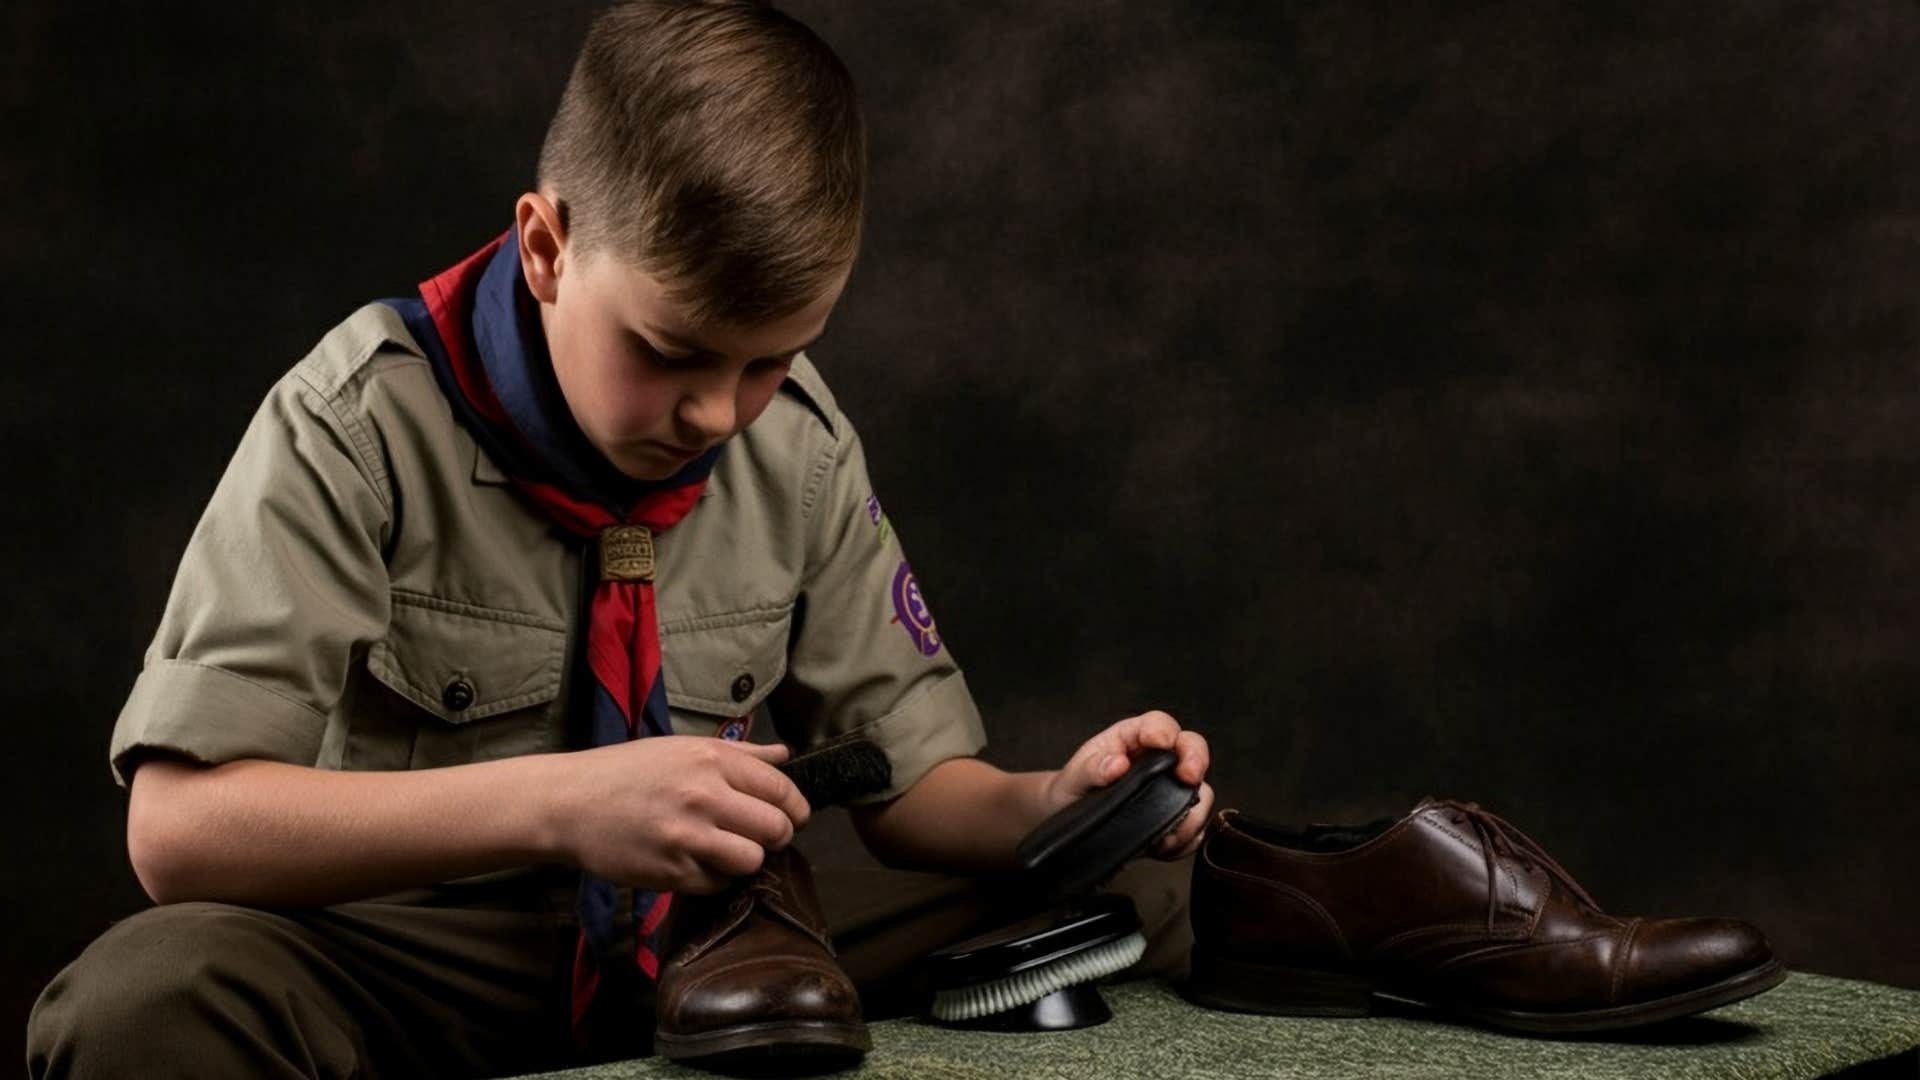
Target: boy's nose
[[710, 410]]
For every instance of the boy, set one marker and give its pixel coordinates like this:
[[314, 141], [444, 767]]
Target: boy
[[486, 569]]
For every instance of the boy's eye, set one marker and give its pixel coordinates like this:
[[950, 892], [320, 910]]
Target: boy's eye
[[685, 361], [652, 355]]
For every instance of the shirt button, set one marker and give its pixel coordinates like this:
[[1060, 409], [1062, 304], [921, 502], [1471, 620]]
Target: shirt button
[[743, 687], [458, 695]]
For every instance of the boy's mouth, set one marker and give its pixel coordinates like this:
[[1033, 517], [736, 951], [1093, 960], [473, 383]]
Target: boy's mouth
[[679, 453]]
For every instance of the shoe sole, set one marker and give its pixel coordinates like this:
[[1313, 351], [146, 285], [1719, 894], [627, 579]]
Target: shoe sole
[[749, 1045], [1274, 990], [1725, 992]]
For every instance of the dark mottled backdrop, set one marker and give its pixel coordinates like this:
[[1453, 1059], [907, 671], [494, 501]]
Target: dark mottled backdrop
[[1515, 402]]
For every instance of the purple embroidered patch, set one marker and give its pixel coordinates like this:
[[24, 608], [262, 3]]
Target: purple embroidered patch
[[911, 608], [873, 508]]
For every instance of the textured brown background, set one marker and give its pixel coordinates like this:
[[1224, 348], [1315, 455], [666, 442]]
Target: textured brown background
[[1515, 402]]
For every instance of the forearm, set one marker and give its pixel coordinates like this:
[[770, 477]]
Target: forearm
[[963, 816], [271, 834]]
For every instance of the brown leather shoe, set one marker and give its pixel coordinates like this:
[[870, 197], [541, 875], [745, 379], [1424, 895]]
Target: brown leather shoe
[[1451, 906], [751, 977]]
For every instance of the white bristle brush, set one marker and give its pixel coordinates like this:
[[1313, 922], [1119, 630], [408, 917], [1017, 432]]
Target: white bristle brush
[[963, 1003]]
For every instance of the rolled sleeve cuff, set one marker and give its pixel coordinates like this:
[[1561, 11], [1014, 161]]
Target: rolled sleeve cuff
[[211, 715], [940, 722]]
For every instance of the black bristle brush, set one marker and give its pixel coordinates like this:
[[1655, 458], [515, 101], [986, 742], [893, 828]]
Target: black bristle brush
[[839, 771]]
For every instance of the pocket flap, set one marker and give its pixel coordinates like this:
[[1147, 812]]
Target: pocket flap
[[463, 662], [724, 664]]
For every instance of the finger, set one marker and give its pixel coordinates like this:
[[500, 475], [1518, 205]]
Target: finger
[[1092, 752], [1102, 769], [1150, 730], [753, 819], [768, 784], [1183, 841], [1103, 758], [1185, 838], [1194, 757], [1154, 730], [700, 880], [727, 855], [1084, 768], [681, 872], [1175, 842], [771, 753]]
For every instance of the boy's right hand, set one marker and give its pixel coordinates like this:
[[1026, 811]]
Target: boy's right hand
[[677, 812]]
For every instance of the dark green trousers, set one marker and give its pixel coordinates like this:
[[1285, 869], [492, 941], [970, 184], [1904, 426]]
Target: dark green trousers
[[469, 979]]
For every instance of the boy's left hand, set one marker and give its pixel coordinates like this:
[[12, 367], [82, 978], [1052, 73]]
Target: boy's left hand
[[1106, 757]]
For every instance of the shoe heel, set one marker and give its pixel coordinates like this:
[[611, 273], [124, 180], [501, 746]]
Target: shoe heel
[[1219, 982]]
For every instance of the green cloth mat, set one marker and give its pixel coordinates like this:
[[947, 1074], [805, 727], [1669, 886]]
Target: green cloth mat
[[1810, 1025]]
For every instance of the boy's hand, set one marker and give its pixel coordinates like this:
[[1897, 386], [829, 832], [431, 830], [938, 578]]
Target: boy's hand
[[677, 812], [1106, 757]]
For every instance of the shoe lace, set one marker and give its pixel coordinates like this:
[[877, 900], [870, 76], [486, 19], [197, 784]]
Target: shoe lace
[[769, 890], [1496, 833], [764, 891], [767, 886]]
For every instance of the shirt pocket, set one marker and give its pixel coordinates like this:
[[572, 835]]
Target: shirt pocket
[[720, 668], [480, 683]]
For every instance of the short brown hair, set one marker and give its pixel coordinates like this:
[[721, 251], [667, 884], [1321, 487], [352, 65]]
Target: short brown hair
[[717, 145]]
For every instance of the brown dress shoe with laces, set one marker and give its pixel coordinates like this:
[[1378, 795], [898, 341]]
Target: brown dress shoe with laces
[[751, 977], [1450, 906]]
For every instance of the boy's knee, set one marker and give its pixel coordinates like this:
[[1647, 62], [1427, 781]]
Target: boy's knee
[[169, 990]]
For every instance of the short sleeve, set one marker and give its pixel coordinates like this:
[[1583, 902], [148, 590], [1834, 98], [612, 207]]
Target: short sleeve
[[866, 655], [281, 584]]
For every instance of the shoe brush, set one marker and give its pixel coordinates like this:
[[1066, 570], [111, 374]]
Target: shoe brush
[[1038, 974], [839, 772]]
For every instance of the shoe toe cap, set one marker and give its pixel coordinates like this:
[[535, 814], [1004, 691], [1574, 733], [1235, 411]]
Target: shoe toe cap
[[754, 992], [1673, 956]]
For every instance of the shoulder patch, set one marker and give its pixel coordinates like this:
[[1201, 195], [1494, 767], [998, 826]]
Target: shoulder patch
[[804, 382], [910, 611]]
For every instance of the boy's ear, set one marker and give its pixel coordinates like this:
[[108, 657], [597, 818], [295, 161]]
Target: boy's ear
[[543, 244]]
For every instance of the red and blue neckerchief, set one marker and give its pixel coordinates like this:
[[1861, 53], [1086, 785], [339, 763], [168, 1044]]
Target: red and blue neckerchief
[[480, 329]]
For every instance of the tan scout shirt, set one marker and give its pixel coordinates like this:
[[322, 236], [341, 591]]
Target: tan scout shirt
[[366, 591]]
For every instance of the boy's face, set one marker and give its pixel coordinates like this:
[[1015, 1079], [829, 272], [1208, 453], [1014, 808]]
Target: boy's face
[[651, 392]]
